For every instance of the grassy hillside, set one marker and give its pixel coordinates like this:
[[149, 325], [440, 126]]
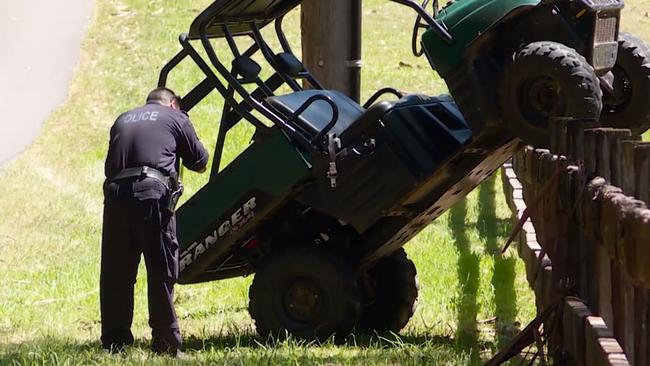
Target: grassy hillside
[[471, 301]]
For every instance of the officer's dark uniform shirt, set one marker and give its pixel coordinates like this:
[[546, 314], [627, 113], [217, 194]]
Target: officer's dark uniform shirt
[[153, 135]]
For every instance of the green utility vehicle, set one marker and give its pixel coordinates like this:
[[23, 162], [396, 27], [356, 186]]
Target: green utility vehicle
[[320, 203], [523, 62]]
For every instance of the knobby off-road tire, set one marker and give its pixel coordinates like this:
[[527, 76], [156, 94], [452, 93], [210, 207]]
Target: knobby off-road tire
[[546, 80], [632, 81], [395, 294], [307, 292]]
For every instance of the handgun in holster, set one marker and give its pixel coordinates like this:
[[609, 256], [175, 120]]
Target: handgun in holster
[[174, 194]]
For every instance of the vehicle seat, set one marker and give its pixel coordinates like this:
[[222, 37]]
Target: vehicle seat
[[319, 114]]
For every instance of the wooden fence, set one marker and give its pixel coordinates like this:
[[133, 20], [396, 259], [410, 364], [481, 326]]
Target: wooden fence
[[588, 237]]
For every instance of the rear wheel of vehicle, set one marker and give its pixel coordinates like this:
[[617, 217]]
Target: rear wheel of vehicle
[[307, 292], [628, 107], [546, 80], [394, 294]]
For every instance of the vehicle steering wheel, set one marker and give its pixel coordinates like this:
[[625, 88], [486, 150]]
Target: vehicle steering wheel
[[419, 24]]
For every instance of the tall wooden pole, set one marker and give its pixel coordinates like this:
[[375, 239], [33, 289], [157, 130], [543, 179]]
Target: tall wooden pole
[[331, 43]]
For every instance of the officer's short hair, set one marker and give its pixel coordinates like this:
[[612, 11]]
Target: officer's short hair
[[161, 95]]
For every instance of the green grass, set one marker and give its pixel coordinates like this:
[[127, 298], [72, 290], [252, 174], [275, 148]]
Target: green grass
[[636, 19], [472, 300]]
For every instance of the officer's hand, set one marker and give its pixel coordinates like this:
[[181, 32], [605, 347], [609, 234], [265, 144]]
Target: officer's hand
[[203, 170]]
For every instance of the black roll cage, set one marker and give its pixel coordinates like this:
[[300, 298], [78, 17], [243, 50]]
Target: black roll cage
[[233, 111]]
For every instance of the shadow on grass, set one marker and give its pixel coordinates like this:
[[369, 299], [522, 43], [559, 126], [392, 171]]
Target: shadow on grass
[[468, 277], [230, 341], [503, 278], [358, 340], [247, 349]]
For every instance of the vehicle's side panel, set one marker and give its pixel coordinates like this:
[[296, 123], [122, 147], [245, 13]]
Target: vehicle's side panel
[[221, 215]]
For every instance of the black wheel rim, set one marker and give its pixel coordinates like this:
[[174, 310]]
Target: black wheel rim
[[302, 303], [540, 99], [623, 90]]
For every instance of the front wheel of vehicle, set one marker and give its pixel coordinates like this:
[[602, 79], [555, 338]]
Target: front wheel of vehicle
[[547, 80], [307, 292]]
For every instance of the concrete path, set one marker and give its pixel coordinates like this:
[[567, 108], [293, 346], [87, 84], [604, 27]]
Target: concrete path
[[39, 49]]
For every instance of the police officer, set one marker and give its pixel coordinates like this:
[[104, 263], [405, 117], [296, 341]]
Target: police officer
[[141, 167]]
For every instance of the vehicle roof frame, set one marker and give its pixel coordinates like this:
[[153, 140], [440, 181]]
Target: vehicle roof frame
[[235, 111], [230, 18]]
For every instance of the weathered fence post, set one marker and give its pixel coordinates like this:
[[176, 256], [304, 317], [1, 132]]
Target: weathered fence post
[[590, 151], [637, 242], [569, 191], [576, 140], [616, 207], [606, 140], [642, 171], [635, 226], [616, 137], [559, 137], [623, 290], [567, 135], [628, 177]]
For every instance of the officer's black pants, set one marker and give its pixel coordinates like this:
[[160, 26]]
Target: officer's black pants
[[132, 228]]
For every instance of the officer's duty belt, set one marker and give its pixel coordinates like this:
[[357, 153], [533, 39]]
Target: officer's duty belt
[[143, 171]]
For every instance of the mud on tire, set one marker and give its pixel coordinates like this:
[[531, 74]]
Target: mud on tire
[[307, 292], [545, 80], [396, 287]]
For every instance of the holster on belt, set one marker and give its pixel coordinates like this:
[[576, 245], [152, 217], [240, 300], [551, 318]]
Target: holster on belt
[[174, 193]]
